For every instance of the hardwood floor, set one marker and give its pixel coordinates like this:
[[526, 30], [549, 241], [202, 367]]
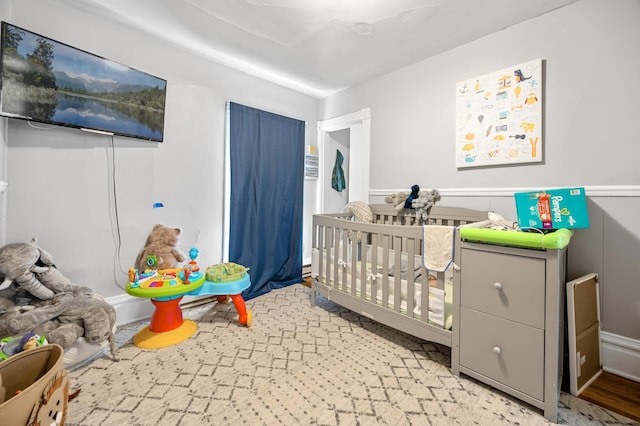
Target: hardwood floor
[[615, 393]]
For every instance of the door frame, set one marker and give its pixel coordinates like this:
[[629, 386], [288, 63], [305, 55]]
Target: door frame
[[359, 144]]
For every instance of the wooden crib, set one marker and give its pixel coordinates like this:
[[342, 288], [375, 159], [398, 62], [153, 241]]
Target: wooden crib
[[376, 269]]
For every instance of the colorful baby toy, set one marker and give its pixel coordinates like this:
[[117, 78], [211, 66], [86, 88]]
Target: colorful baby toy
[[167, 287]]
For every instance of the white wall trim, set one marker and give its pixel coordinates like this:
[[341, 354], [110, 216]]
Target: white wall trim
[[620, 355], [592, 191], [344, 121], [130, 309], [3, 186]]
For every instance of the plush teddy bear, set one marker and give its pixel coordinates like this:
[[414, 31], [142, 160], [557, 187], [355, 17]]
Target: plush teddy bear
[[424, 202], [397, 200], [161, 249]]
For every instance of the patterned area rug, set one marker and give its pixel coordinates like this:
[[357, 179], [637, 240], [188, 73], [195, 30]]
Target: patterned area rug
[[296, 365]]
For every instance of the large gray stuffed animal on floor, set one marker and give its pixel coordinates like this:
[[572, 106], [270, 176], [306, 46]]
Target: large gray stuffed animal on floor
[[36, 297]]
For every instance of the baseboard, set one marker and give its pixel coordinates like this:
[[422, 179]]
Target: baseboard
[[306, 270], [130, 309], [620, 355]]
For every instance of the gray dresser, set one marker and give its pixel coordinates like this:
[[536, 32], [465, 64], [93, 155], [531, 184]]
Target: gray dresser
[[509, 320]]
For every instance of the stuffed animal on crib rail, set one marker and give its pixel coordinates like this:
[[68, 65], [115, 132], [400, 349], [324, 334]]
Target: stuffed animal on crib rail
[[415, 191], [423, 204], [402, 200], [397, 200], [161, 250]]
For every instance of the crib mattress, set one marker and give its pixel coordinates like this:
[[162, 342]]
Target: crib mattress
[[552, 240]]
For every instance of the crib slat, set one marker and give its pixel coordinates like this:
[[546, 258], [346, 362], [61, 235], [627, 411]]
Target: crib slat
[[363, 273], [327, 248], [336, 256], [353, 242], [346, 261], [375, 280], [321, 251], [397, 275], [385, 270], [424, 296], [410, 277]]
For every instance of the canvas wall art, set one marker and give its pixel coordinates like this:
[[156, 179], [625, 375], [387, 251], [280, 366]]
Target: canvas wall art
[[499, 117]]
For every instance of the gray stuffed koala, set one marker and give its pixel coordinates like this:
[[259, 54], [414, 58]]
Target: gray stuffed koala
[[424, 202]]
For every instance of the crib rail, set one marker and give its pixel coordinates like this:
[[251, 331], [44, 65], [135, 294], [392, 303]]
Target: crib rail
[[386, 214], [455, 216], [438, 215]]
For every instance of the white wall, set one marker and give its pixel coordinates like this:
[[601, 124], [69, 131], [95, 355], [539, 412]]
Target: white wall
[[590, 137], [61, 180]]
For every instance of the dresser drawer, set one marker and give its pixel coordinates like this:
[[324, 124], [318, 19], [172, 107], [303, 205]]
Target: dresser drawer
[[507, 352], [511, 287]]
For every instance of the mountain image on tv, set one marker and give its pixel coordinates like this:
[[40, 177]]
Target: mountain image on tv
[[47, 81]]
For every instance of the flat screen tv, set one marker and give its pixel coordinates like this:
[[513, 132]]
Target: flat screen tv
[[45, 81]]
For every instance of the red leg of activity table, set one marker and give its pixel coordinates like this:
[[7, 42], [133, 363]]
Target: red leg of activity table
[[167, 315], [238, 302]]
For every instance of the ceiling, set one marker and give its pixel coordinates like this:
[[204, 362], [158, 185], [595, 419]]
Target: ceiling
[[317, 47]]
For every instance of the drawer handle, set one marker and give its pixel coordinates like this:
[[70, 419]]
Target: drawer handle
[[497, 286], [497, 350]]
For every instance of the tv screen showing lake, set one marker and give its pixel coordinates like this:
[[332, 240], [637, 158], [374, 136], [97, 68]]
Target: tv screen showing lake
[[47, 81]]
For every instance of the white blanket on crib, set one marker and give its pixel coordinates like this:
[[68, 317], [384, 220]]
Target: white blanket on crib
[[437, 247]]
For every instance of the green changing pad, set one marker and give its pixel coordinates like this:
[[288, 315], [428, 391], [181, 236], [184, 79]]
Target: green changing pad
[[553, 240]]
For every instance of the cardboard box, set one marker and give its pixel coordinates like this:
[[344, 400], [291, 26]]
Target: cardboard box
[[583, 324], [552, 209]]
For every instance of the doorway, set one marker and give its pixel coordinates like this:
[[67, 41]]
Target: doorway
[[337, 147], [350, 134]]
